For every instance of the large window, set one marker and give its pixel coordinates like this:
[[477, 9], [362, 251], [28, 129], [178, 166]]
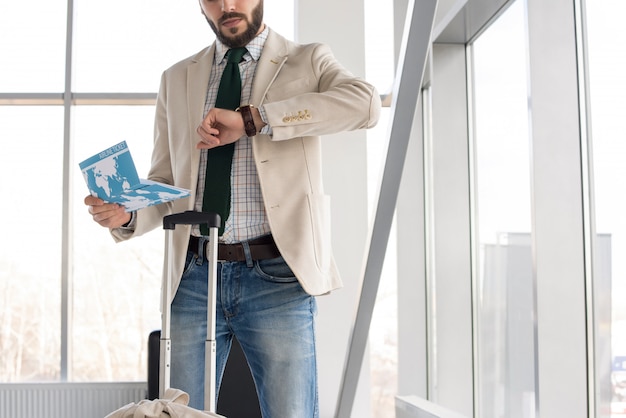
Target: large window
[[30, 181], [116, 287], [383, 355], [74, 305], [504, 285], [607, 82], [32, 41]]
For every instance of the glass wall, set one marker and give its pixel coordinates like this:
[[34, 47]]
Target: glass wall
[[30, 267], [145, 36], [383, 355], [503, 262], [32, 41], [109, 277], [607, 91]]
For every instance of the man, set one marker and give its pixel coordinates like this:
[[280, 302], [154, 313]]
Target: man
[[275, 242]]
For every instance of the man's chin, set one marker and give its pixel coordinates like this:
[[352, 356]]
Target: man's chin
[[234, 41], [232, 34], [239, 35]]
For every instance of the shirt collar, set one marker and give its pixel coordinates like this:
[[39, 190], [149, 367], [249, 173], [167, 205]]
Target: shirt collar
[[255, 46]]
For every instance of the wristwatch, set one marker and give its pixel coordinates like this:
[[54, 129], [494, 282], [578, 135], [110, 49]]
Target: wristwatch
[[248, 120]]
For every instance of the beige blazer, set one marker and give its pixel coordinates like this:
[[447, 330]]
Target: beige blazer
[[306, 93]]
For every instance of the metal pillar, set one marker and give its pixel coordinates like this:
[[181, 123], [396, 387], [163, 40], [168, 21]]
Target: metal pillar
[[414, 52]]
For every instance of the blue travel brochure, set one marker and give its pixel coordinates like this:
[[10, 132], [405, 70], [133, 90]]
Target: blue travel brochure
[[111, 175]]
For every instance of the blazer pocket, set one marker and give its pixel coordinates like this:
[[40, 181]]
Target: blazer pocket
[[319, 207], [280, 91]]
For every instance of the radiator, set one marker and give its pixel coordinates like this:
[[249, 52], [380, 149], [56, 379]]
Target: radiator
[[67, 400]]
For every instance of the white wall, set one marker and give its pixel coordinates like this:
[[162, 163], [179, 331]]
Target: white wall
[[340, 24]]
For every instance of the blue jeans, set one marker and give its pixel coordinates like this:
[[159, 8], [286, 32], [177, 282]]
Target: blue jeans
[[264, 306]]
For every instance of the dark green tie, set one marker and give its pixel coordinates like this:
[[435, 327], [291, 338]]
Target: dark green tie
[[216, 196]]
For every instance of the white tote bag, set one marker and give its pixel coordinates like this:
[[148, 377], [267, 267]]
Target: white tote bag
[[172, 405]]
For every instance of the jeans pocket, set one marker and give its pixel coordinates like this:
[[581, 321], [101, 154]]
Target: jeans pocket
[[275, 270], [190, 263]]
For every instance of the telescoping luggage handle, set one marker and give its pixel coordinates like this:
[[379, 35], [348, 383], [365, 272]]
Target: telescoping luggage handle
[[212, 220], [190, 217]]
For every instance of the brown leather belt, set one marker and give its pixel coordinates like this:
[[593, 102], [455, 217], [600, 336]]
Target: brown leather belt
[[262, 248]]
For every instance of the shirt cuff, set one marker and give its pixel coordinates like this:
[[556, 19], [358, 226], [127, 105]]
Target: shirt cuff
[[132, 223], [267, 129]]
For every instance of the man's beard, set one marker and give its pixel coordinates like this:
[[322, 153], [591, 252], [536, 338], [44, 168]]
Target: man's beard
[[248, 35]]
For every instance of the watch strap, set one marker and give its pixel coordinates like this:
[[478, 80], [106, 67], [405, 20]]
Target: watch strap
[[248, 120]]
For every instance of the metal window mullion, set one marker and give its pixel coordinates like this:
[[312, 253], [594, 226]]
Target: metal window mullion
[[416, 43], [474, 232], [66, 214], [451, 231], [429, 247], [59, 99], [559, 253], [588, 206], [108, 99]]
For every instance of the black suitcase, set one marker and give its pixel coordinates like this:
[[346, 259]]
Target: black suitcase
[[237, 397]]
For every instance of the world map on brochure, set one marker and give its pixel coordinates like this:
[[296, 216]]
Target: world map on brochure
[[111, 175]]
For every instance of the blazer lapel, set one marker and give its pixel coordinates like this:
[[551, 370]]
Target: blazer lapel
[[271, 61], [198, 74]]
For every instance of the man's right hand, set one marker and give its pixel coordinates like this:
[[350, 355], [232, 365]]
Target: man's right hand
[[220, 127], [108, 215]]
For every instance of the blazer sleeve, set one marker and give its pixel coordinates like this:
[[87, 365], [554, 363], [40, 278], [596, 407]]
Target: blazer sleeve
[[151, 217], [315, 95]]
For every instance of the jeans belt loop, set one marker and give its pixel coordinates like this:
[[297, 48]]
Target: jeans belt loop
[[247, 253], [200, 251]]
